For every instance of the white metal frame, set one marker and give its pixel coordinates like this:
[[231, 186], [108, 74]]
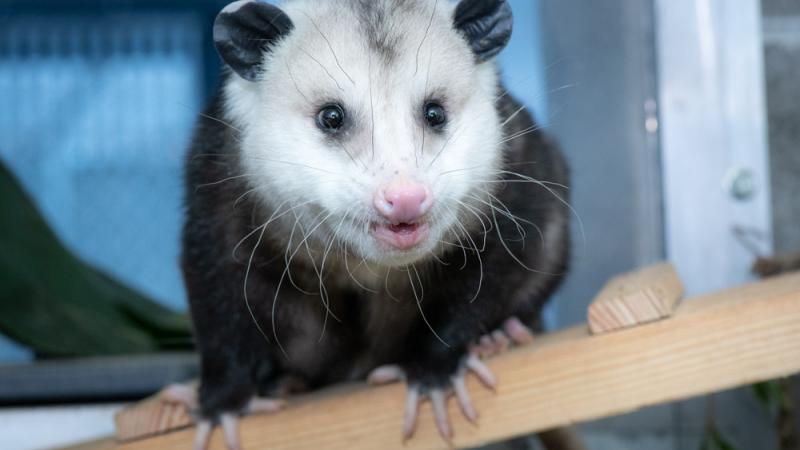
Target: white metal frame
[[713, 123]]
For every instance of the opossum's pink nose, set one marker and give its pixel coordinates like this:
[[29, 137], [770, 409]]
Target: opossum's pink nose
[[403, 201]]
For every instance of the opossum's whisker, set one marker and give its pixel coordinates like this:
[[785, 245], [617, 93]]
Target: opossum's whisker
[[275, 216], [448, 172], [530, 130], [330, 47], [452, 244], [227, 124], [371, 104], [531, 179], [246, 276], [477, 254], [425, 36], [284, 275], [458, 238], [512, 116], [358, 283], [386, 286], [323, 68], [292, 163], [510, 253], [350, 155], [522, 181], [241, 197], [515, 218], [537, 96], [294, 81], [437, 258], [477, 213], [444, 146], [326, 298], [505, 211], [287, 254], [308, 252], [419, 306], [419, 280], [225, 180], [544, 184], [523, 178], [422, 122]]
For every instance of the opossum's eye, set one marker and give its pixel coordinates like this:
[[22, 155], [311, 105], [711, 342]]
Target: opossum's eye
[[331, 118], [435, 115]]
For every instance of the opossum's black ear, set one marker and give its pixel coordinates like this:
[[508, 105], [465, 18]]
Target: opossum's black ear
[[244, 30], [487, 25]]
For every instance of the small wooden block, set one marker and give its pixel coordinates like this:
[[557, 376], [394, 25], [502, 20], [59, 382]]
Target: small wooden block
[[647, 295], [151, 417]]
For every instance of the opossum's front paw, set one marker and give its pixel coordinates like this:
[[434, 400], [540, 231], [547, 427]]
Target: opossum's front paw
[[186, 395], [438, 390]]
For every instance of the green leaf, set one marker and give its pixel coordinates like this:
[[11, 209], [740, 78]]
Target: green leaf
[[714, 440], [58, 305], [771, 395]]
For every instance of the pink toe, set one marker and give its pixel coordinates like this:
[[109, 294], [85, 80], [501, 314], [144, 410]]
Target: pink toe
[[519, 333], [439, 403], [464, 400], [501, 340], [265, 405], [183, 394], [203, 435], [410, 416], [230, 427], [386, 374], [482, 371]]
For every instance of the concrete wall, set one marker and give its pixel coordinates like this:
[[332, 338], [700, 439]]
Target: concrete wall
[[782, 55]]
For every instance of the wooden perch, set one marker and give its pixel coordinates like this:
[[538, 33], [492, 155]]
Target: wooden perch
[[714, 342], [639, 297], [151, 417]]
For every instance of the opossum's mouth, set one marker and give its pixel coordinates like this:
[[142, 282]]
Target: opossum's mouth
[[401, 236]]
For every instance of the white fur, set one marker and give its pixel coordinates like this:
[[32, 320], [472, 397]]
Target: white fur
[[288, 158]]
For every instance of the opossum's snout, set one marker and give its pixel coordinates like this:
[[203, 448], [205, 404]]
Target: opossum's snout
[[403, 201], [403, 204]]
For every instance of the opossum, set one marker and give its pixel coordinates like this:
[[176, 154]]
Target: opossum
[[364, 200]]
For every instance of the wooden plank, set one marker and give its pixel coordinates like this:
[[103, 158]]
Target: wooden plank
[[714, 342], [151, 417], [98, 444], [646, 295]]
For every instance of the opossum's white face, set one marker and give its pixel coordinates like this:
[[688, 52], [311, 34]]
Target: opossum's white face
[[375, 122]]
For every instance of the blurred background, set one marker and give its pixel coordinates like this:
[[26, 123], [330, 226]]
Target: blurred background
[[680, 119]]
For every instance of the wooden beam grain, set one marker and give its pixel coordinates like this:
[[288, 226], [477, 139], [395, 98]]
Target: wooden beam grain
[[647, 295], [712, 343]]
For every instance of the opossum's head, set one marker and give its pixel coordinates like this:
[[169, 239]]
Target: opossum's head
[[374, 119]]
